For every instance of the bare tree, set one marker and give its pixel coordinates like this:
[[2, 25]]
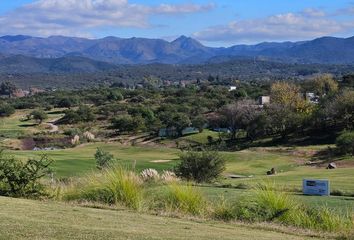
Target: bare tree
[[240, 115]]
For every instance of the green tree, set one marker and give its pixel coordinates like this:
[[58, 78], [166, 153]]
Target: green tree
[[85, 113], [39, 115], [345, 143], [115, 95], [325, 85], [202, 166], [128, 123], [103, 159], [341, 109], [7, 88], [180, 121], [199, 122], [6, 110]]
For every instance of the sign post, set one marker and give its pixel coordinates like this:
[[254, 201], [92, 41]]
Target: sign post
[[316, 187]]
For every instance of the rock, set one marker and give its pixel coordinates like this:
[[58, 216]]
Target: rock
[[332, 166], [272, 172]]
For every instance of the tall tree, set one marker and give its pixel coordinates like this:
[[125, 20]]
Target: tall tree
[[325, 84], [7, 88]]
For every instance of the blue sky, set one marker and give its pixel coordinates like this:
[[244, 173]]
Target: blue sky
[[215, 23]]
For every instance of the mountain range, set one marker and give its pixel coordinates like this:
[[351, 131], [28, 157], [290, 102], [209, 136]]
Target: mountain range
[[58, 53]]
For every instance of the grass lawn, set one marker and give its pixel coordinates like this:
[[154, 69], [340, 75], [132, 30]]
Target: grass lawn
[[80, 160], [340, 203], [202, 137], [27, 219], [13, 127]]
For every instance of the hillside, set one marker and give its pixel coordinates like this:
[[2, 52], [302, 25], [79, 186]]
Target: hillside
[[183, 50], [24, 64], [79, 72], [46, 220]]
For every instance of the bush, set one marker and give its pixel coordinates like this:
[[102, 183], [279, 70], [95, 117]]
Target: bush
[[6, 110], [22, 179], [202, 166], [185, 199], [103, 159], [114, 186], [345, 143]]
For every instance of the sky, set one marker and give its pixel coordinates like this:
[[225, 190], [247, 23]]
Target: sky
[[214, 23]]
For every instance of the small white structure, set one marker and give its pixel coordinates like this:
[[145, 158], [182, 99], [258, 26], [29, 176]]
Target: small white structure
[[316, 187], [311, 97], [263, 100], [232, 88]]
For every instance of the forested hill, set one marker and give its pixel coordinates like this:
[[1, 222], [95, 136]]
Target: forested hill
[[218, 72]]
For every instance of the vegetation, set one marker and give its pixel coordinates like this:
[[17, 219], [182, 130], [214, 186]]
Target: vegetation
[[345, 143], [38, 115], [103, 159], [114, 186], [202, 166], [149, 126], [185, 199], [19, 178], [96, 223]]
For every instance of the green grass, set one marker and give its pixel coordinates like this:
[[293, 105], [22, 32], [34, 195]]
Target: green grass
[[26, 219], [13, 127], [202, 137], [80, 160]]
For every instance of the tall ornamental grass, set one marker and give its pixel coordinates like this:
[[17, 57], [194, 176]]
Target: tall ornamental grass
[[114, 186]]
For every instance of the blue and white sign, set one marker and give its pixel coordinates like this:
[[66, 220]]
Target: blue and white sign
[[316, 187]]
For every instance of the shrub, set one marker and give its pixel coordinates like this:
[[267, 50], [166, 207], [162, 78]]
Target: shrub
[[185, 199], [114, 186], [6, 110], [202, 166], [18, 178], [103, 159], [345, 143]]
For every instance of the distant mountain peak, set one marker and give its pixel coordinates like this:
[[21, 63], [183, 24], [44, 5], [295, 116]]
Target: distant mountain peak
[[188, 43]]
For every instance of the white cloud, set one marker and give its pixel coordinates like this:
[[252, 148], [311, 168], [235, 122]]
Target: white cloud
[[310, 23], [72, 17]]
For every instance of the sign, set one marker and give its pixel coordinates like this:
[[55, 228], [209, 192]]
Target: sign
[[316, 187]]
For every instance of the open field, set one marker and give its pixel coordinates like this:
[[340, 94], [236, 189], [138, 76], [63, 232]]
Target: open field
[[26, 219], [12, 127], [80, 161], [291, 171]]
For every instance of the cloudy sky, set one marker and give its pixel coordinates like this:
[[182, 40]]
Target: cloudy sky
[[214, 22]]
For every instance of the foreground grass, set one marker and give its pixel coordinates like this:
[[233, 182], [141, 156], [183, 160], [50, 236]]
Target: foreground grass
[[27, 219]]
